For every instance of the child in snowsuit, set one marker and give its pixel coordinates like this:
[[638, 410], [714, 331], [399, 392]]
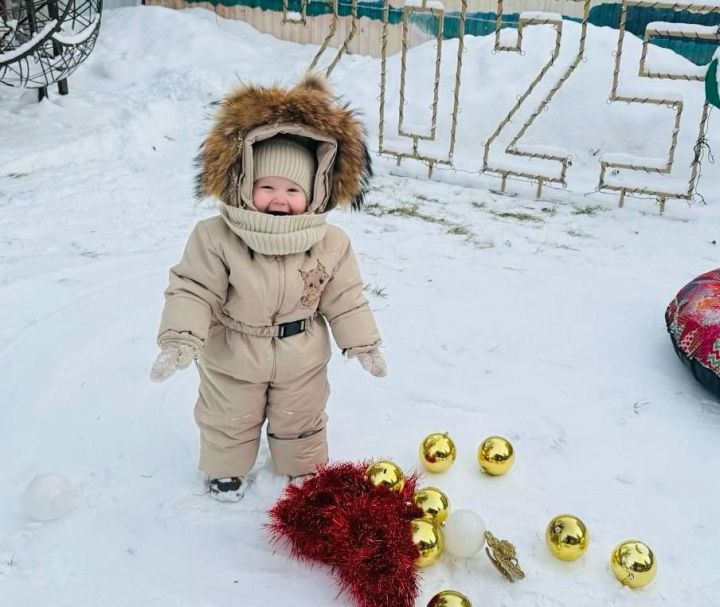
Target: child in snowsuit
[[258, 285]]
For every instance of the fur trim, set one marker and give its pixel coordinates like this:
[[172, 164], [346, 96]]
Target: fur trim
[[310, 104]]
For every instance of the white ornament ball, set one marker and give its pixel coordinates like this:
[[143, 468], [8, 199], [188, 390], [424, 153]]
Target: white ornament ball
[[464, 533], [48, 497]]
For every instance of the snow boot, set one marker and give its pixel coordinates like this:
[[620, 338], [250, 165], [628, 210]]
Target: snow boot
[[227, 489], [298, 480]]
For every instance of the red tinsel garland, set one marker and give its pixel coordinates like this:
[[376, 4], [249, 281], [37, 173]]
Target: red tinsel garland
[[339, 518]]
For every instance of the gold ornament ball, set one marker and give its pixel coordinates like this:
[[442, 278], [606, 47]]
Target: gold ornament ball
[[429, 540], [386, 474], [449, 598], [437, 452], [567, 537], [495, 456], [434, 504], [633, 563]]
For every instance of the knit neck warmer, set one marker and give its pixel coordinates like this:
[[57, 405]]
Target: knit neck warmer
[[275, 234]]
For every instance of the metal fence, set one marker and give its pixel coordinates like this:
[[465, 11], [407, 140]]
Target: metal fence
[[382, 29]]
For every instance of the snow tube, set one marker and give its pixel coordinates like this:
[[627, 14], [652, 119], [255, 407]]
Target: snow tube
[[693, 321]]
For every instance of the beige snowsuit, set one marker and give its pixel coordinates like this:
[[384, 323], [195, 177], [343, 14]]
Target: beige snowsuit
[[231, 301], [245, 275]]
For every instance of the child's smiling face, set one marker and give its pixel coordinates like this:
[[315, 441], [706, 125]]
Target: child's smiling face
[[278, 196]]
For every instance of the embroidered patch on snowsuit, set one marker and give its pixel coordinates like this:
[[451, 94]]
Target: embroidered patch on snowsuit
[[315, 281]]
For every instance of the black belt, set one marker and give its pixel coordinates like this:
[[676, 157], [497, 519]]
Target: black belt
[[289, 329]]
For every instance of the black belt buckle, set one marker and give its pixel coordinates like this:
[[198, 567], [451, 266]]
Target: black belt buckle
[[289, 329]]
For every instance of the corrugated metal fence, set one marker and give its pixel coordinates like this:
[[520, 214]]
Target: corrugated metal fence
[[480, 20]]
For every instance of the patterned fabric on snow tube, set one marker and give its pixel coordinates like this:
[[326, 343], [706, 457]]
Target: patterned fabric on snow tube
[[693, 321]]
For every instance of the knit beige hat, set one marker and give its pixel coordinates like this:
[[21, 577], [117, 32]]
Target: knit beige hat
[[283, 157]]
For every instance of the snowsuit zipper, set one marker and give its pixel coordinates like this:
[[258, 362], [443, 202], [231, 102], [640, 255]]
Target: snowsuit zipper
[[281, 296]]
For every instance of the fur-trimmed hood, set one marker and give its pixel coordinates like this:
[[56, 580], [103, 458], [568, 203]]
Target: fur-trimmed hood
[[307, 110]]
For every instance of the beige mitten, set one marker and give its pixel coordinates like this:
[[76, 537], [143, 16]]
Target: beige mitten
[[373, 362], [177, 352]]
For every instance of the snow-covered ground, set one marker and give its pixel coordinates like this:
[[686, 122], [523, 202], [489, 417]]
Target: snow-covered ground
[[541, 320]]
